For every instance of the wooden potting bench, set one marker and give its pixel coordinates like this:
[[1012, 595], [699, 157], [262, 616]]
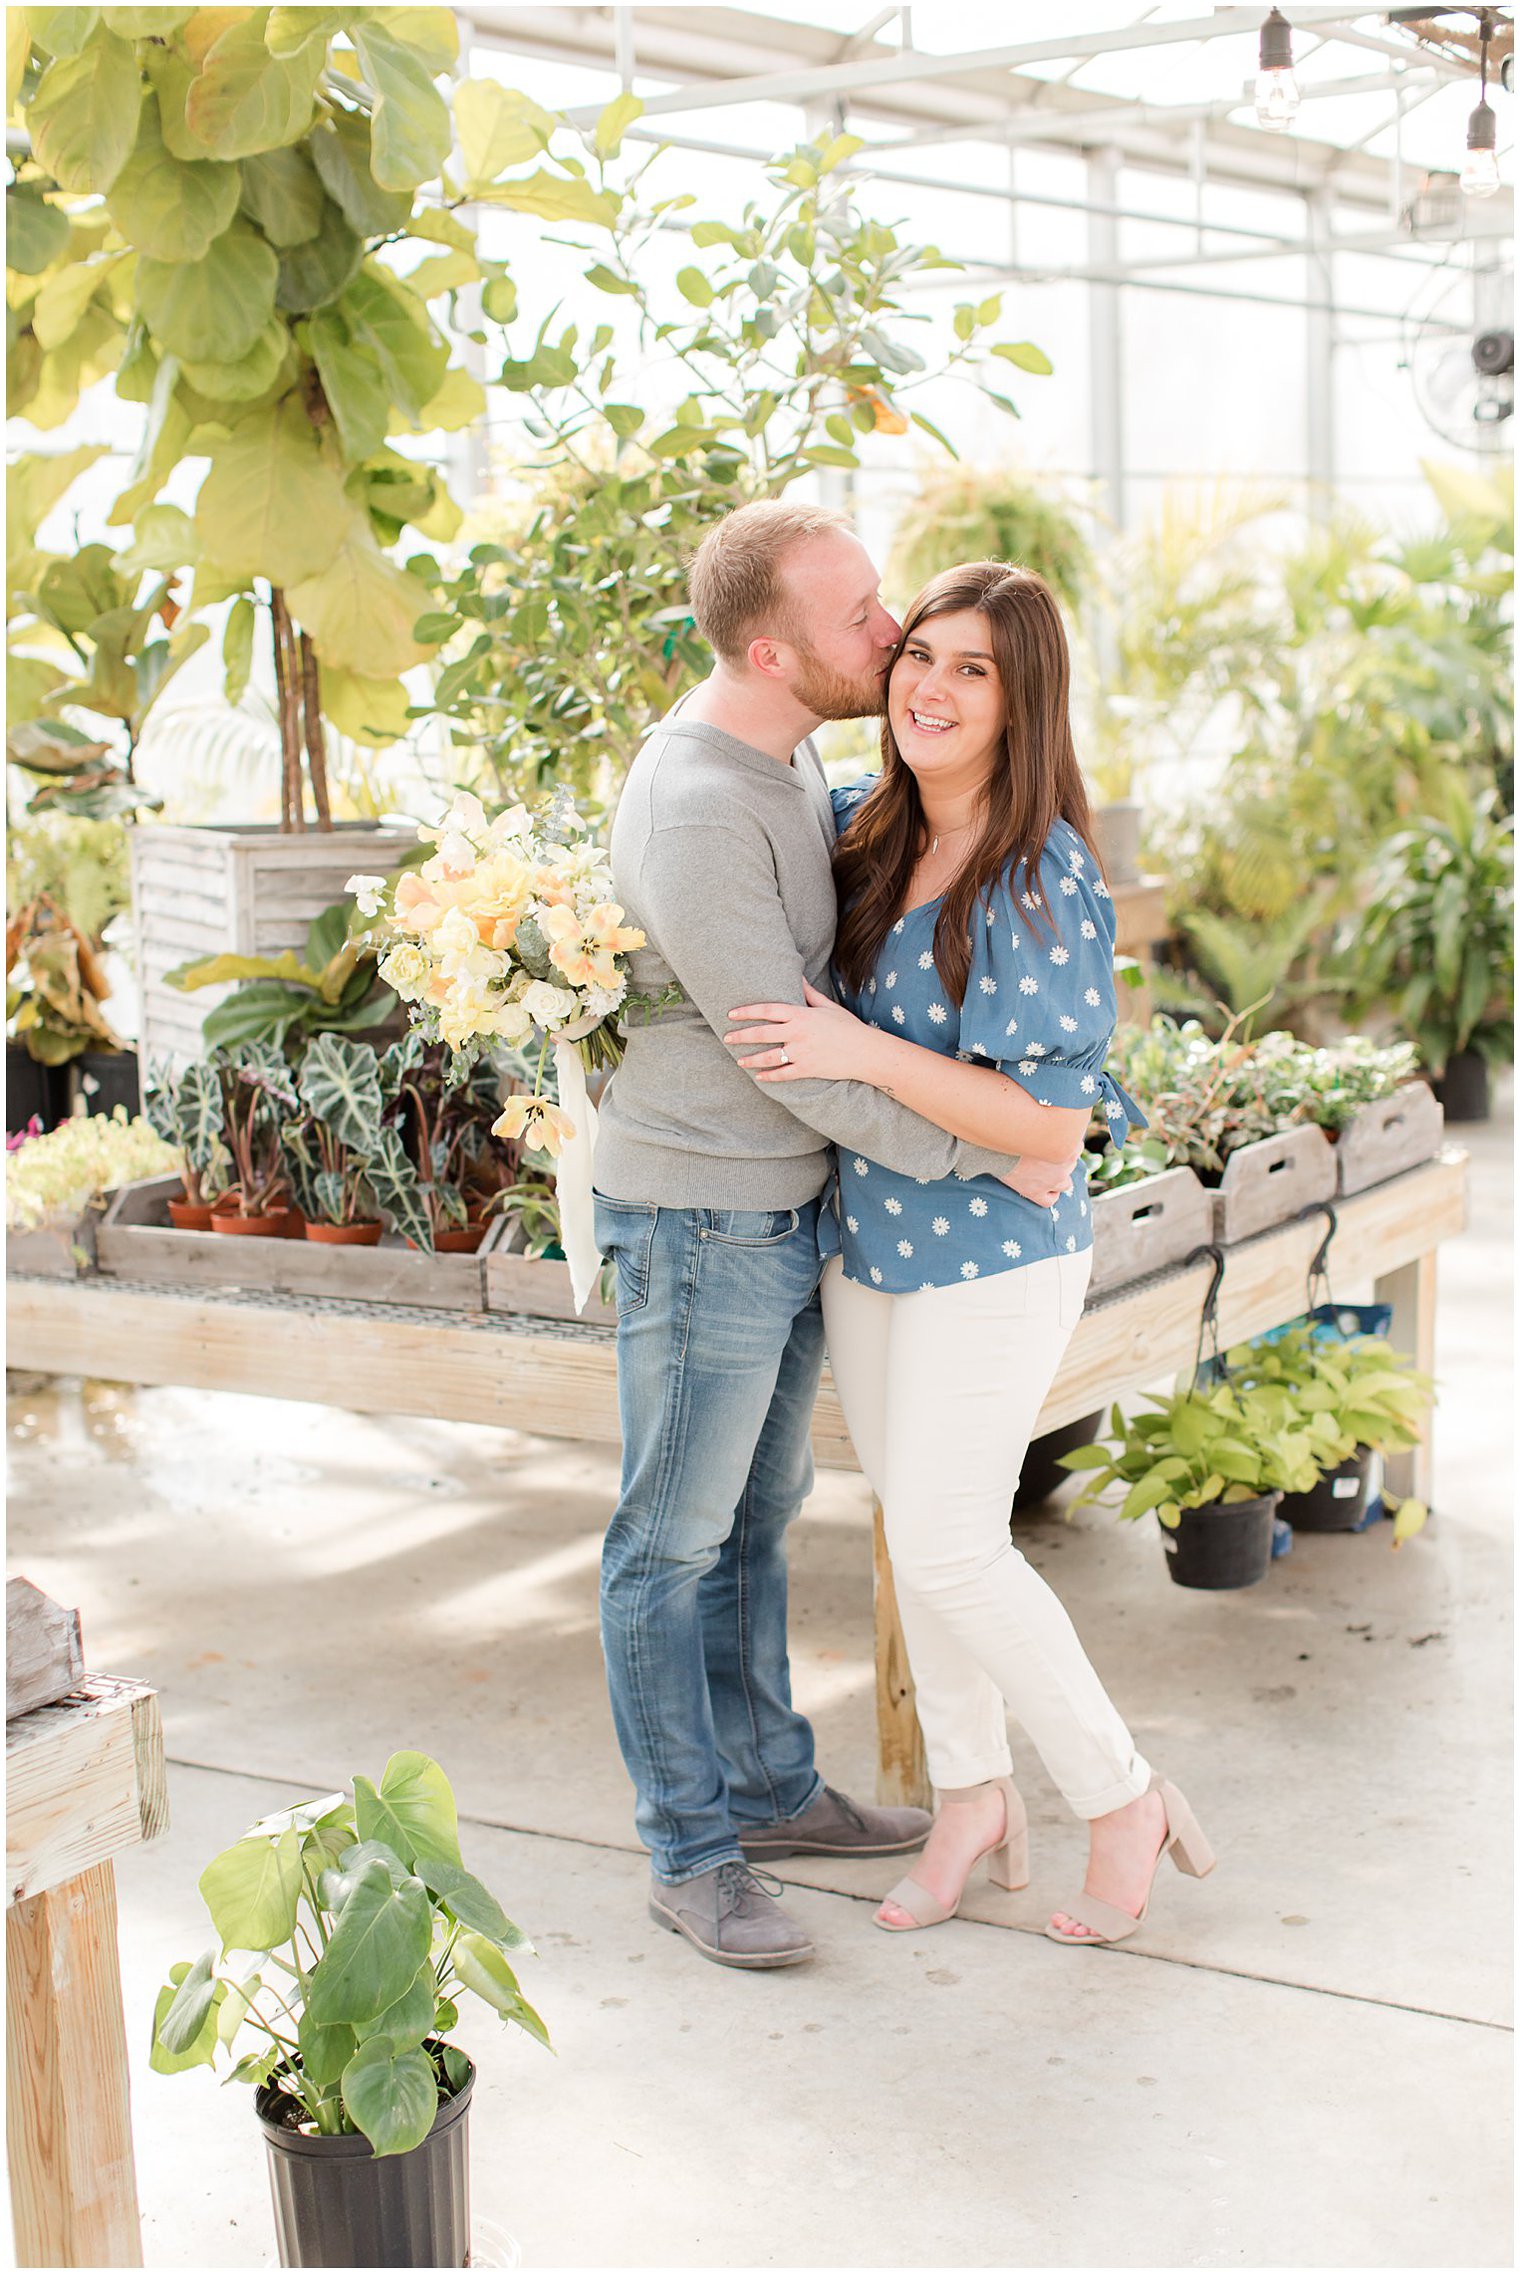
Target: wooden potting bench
[[559, 1378]]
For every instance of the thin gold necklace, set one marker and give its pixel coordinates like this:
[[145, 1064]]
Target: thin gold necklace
[[964, 829]]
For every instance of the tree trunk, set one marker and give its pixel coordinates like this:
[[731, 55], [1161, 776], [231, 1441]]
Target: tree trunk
[[316, 748], [287, 675]]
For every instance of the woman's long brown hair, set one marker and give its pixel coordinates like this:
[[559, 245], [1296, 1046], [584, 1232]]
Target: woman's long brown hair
[[1038, 783]]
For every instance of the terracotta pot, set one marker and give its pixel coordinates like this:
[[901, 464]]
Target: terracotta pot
[[345, 1235], [458, 1239], [225, 1217], [190, 1215]]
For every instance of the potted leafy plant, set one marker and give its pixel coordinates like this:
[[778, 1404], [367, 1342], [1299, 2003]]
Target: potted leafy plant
[[1360, 1399], [258, 1095], [444, 1121], [339, 1157], [333, 987], [1439, 944], [1212, 1461], [346, 1933], [186, 1108], [56, 1182]]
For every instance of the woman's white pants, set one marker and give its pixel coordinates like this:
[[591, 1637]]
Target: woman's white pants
[[941, 1391]]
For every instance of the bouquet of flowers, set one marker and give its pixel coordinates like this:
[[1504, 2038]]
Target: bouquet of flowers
[[508, 929]]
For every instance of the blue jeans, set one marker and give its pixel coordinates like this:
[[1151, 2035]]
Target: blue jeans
[[720, 1341]]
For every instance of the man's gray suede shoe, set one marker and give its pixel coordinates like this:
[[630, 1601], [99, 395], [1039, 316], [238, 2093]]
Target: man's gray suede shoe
[[837, 1826], [729, 1914]]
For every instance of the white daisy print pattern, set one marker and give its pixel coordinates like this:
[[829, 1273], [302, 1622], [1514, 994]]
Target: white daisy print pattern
[[1012, 1250], [978, 1050], [938, 1013], [1068, 886], [892, 1207], [1092, 999], [1068, 1025], [861, 1168], [1071, 1243], [905, 1248], [1012, 1027], [1059, 955], [978, 1207], [876, 1275], [940, 1226], [852, 1223], [1028, 986], [1038, 1050], [1089, 928], [970, 1270], [1028, 900], [1100, 888], [926, 960], [899, 1015], [1026, 1067], [891, 978], [897, 928], [1089, 1086], [1082, 1210], [988, 986]]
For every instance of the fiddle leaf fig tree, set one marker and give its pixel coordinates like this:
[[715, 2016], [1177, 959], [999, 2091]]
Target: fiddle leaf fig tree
[[224, 207]]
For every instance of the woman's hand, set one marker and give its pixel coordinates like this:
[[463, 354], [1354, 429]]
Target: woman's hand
[[822, 1042], [1043, 1182]]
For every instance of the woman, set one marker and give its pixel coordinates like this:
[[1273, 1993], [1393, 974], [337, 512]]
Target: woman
[[975, 969]]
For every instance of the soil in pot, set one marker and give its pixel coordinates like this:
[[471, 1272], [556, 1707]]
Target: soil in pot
[[1338, 1502], [336, 2203], [345, 1235], [272, 1224], [1463, 1088], [1225, 1544], [190, 1215]]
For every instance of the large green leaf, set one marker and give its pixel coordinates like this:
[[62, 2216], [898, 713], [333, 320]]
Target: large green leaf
[[237, 650], [83, 117], [482, 1968], [61, 31], [213, 308], [409, 127], [145, 23], [36, 230], [411, 2018], [166, 208], [393, 1179], [243, 99], [339, 1082], [200, 2052], [392, 2095], [497, 128], [251, 375], [164, 539], [326, 2049], [282, 193], [271, 505], [354, 384], [340, 150], [376, 1950], [59, 307], [194, 1999], [431, 33], [418, 1796], [387, 323], [251, 1890], [361, 607], [314, 273], [289, 29], [471, 1903], [554, 197]]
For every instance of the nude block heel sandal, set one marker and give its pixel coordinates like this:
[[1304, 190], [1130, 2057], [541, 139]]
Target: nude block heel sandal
[[1007, 1860], [1189, 1851]]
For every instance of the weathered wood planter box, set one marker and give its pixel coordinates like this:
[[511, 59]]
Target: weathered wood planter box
[[536, 1287], [249, 891], [137, 1241], [1266, 1183], [1389, 1136], [1143, 1227], [59, 1250]]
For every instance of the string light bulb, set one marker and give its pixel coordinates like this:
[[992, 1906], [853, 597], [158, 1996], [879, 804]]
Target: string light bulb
[[1480, 174], [1277, 96]]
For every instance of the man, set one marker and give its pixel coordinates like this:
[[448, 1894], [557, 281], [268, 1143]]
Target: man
[[708, 1188]]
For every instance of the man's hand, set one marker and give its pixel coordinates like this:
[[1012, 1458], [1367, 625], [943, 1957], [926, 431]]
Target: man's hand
[[1043, 1182]]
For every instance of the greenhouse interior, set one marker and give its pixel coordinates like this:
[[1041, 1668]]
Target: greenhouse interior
[[697, 695]]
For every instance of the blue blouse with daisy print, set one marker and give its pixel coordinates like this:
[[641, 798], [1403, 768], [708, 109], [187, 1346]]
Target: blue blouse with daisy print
[[1040, 1004]]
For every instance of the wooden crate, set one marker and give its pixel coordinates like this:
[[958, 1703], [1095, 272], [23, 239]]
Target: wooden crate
[[1267, 1183], [1389, 1136], [537, 1287], [248, 891], [1144, 1227], [59, 1250], [136, 1241]]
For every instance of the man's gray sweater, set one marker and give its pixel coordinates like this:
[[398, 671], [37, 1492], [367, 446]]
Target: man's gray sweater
[[721, 855]]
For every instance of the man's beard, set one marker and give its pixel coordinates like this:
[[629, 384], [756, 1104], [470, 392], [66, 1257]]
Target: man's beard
[[829, 695]]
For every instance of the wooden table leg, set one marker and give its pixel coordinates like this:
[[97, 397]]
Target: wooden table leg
[[1412, 1293], [68, 2124], [902, 1777]]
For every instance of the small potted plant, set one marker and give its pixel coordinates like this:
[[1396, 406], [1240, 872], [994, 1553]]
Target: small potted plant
[[1360, 1399], [444, 1121], [186, 1109], [1212, 1461], [346, 1933], [258, 1096], [335, 1148]]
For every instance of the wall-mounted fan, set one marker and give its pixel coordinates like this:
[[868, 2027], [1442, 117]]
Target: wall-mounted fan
[[1459, 348]]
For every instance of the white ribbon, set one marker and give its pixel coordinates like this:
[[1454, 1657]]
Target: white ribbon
[[572, 1176]]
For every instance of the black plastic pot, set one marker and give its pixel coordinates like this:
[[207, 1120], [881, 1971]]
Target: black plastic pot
[[1042, 1474], [1338, 1502], [113, 1074], [336, 2203], [33, 1091], [1463, 1088], [1224, 1544]]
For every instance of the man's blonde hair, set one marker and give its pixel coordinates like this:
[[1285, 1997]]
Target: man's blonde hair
[[735, 581]]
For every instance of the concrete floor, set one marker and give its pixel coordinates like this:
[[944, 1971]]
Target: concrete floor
[[1304, 2061]]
